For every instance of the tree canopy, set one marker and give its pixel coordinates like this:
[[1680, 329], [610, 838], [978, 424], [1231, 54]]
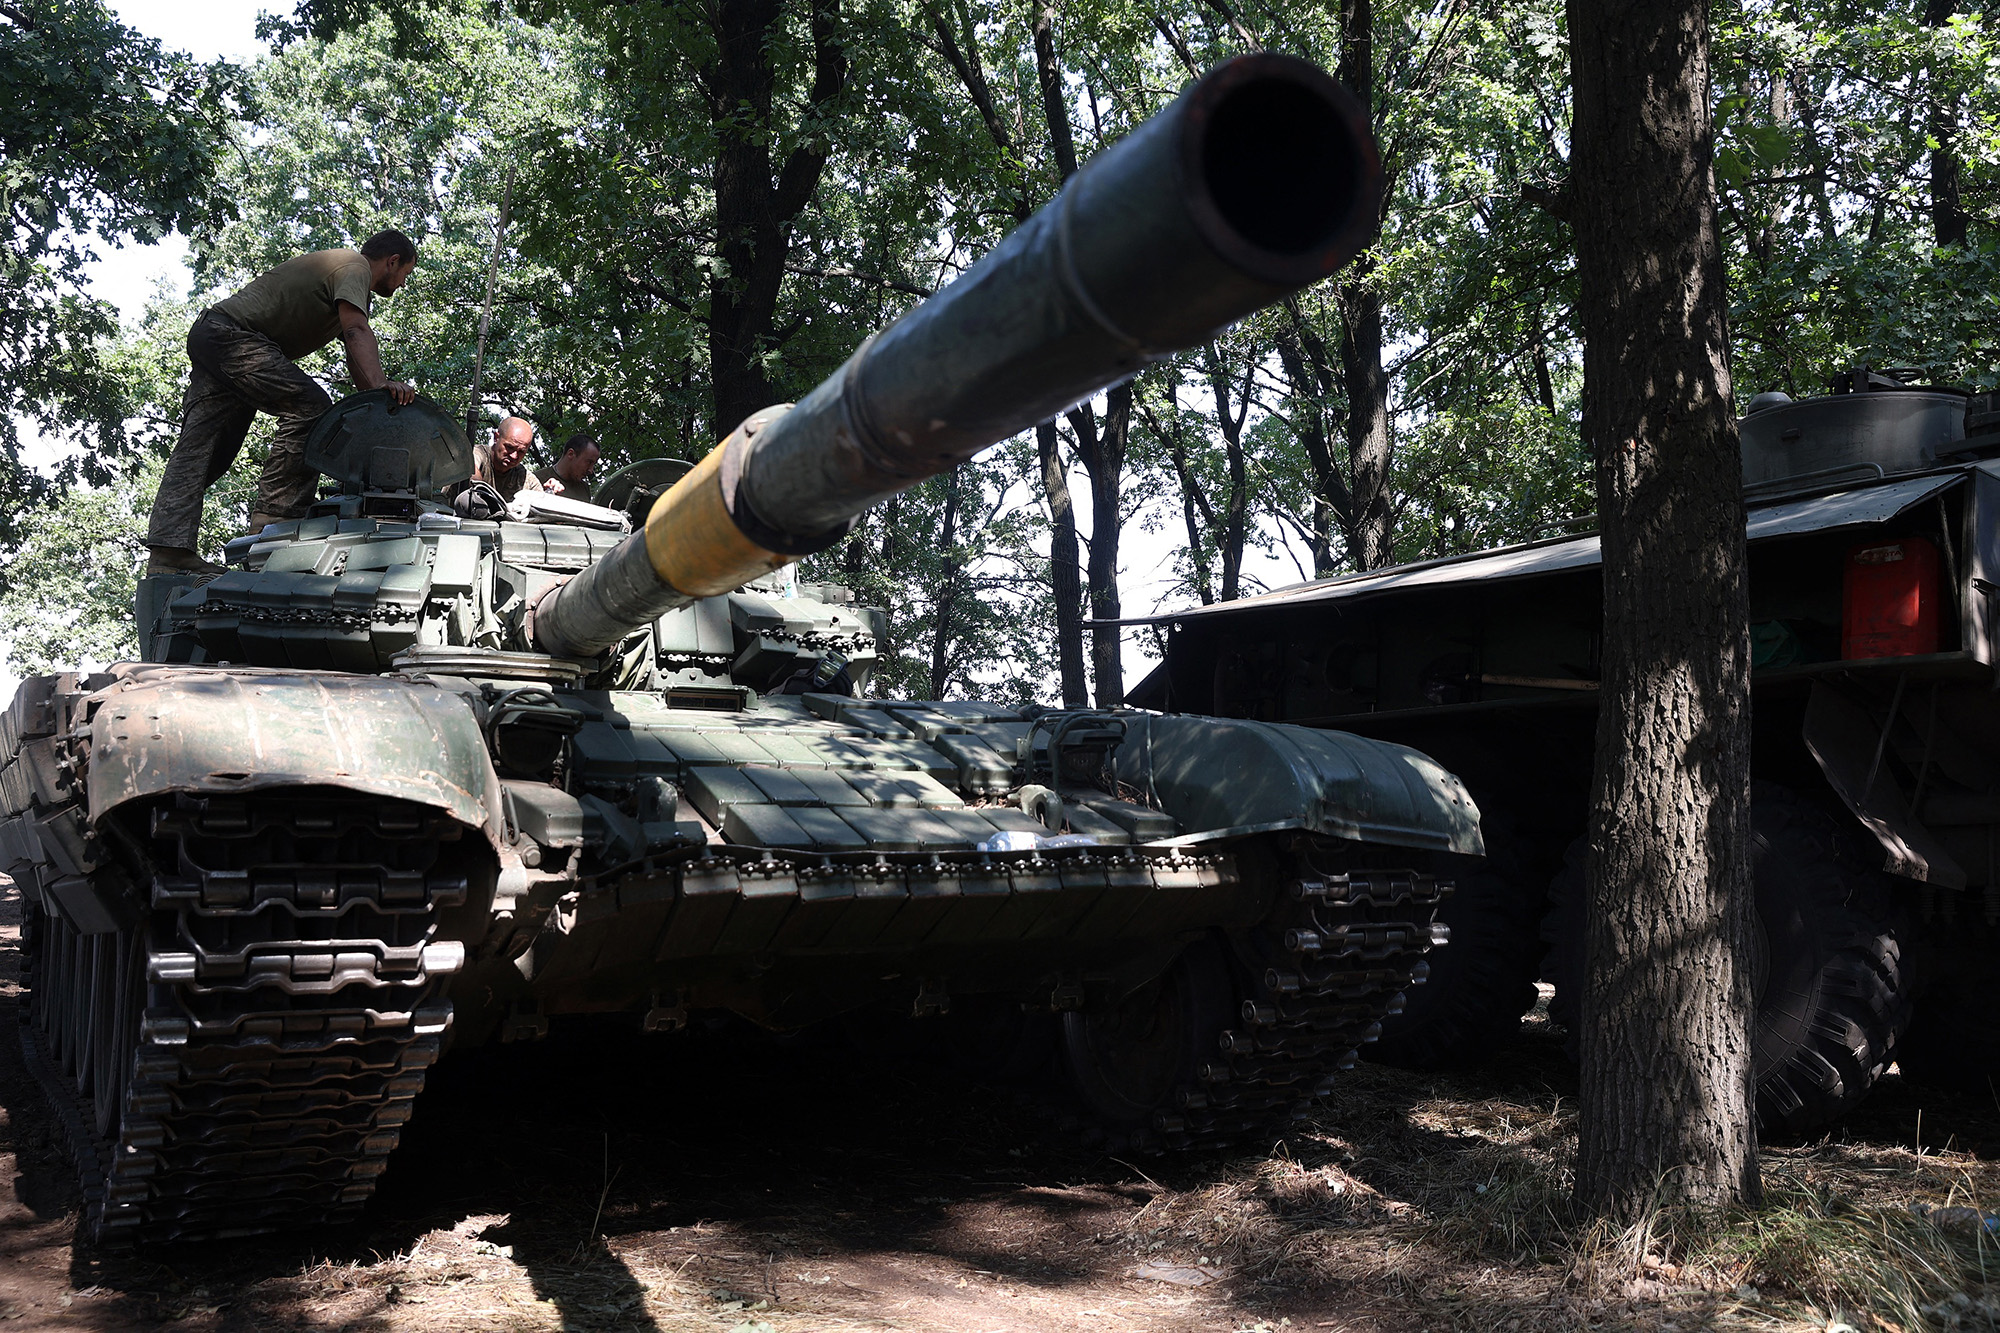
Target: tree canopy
[[710, 206]]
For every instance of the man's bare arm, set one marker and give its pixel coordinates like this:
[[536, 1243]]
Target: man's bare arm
[[364, 355]]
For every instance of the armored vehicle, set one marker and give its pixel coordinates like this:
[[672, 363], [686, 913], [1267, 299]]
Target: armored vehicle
[[400, 780], [1874, 547]]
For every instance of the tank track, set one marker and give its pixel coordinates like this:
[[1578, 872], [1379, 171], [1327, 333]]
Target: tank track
[[1334, 957], [291, 1007], [1337, 961]]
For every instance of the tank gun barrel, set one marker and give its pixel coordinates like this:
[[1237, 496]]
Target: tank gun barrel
[[1260, 179]]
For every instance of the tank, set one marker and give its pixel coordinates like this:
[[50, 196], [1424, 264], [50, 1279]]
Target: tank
[[1873, 522], [400, 782]]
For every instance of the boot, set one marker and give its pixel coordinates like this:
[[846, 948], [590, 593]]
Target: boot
[[178, 560]]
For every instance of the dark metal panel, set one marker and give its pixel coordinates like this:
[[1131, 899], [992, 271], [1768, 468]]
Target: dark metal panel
[[1817, 514]]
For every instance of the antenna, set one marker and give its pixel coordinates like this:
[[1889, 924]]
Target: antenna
[[486, 313]]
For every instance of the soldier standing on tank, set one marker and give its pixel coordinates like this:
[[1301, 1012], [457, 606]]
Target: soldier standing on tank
[[571, 474], [244, 352]]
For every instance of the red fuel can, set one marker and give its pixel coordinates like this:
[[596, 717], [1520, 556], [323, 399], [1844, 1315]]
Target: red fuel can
[[1889, 600]]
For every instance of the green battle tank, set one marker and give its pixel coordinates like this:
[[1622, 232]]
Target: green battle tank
[[401, 780]]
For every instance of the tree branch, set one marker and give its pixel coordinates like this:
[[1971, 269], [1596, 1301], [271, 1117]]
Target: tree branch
[[893, 284]]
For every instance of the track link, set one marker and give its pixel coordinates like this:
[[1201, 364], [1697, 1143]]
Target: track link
[[1334, 960], [279, 1022]]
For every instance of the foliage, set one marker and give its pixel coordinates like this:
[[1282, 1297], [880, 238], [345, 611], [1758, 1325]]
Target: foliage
[[1833, 122], [601, 128], [105, 137], [69, 582], [995, 588]]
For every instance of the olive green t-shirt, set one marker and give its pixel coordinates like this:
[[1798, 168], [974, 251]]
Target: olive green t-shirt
[[294, 304]]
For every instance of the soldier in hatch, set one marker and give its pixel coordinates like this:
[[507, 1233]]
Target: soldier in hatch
[[503, 464], [571, 474], [244, 352]]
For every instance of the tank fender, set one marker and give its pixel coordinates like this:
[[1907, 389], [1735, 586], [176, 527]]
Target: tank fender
[[240, 730], [1222, 777]]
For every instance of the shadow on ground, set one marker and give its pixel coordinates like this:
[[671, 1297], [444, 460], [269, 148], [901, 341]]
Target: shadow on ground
[[740, 1177]]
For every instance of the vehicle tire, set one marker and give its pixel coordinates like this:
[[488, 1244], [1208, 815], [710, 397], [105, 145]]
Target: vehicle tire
[[1832, 997], [1483, 980], [1127, 1059]]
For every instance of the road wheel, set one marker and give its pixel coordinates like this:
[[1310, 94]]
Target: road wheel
[[1832, 998], [1127, 1058], [1483, 981]]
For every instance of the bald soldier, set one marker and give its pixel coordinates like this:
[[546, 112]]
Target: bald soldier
[[503, 464], [244, 352]]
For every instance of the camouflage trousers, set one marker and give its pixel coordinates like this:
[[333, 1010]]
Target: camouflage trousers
[[237, 373]]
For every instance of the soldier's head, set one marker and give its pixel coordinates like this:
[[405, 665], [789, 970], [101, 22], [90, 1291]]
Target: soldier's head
[[391, 256], [511, 439], [579, 456]]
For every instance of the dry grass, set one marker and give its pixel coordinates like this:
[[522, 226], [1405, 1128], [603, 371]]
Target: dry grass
[[1452, 1200]]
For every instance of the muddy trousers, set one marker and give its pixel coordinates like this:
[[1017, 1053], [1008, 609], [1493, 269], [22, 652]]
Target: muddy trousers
[[237, 373]]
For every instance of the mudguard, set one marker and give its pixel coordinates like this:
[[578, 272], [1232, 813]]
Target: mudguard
[[184, 729], [1227, 777]]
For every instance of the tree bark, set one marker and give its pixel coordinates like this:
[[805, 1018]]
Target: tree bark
[[1666, 1101], [1102, 448], [1064, 576], [754, 211], [1308, 368], [1949, 221], [1236, 505], [1196, 512], [1545, 386], [947, 589], [1368, 442]]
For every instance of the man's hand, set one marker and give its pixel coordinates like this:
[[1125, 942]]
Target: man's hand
[[401, 392]]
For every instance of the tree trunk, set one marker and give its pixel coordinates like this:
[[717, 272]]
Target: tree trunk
[[1102, 449], [1064, 576], [754, 212], [1368, 445], [1204, 587], [854, 555], [947, 589], [1666, 1101], [1102, 454], [1196, 512], [1236, 505], [1302, 354], [1949, 221], [1545, 385]]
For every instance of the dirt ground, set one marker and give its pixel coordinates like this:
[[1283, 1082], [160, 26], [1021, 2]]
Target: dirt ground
[[608, 1181]]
